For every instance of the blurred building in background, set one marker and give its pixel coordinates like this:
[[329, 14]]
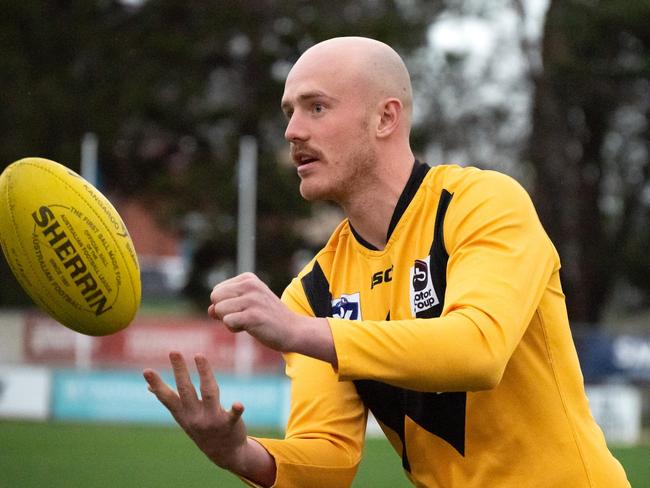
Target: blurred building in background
[[164, 264]]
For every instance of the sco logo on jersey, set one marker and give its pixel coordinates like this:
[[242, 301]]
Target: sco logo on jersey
[[380, 277], [347, 307], [423, 294]]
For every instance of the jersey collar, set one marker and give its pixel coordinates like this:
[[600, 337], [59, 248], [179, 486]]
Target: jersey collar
[[418, 173]]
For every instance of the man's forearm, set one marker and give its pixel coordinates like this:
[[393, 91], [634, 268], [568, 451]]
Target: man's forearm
[[314, 339]]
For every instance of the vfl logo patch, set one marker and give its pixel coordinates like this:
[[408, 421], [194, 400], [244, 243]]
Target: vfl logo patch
[[347, 307], [423, 294]]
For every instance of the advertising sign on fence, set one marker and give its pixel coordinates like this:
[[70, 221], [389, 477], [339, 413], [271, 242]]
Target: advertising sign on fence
[[617, 410], [122, 396], [145, 343], [24, 392]]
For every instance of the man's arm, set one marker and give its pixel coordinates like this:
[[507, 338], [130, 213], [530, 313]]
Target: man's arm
[[325, 430], [500, 261]]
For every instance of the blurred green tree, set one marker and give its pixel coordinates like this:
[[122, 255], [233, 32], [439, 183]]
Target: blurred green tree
[[557, 94], [590, 147], [169, 87]]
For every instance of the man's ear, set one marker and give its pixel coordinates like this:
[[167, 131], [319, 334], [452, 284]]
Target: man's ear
[[390, 116]]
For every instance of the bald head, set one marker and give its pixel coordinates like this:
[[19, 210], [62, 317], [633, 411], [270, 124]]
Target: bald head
[[374, 67], [348, 105]]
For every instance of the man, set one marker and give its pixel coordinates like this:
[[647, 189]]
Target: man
[[436, 305]]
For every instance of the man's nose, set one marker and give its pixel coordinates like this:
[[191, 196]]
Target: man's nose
[[296, 129]]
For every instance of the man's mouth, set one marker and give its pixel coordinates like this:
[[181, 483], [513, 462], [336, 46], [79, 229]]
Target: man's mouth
[[302, 158], [306, 160]]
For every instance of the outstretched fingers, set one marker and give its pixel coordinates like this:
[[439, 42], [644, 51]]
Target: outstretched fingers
[[219, 433], [186, 391], [210, 391], [167, 396], [208, 385]]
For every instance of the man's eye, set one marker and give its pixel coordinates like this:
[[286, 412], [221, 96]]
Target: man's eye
[[318, 108]]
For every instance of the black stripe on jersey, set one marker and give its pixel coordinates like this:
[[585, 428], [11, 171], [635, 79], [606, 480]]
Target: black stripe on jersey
[[442, 414], [418, 173], [439, 258], [317, 291]]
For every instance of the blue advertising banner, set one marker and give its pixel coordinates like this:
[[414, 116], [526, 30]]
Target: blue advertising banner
[[122, 396], [605, 356]]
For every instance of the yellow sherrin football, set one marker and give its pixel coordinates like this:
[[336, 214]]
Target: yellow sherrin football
[[68, 247]]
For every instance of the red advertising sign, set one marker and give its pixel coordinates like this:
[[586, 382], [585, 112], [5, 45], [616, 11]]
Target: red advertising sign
[[145, 343]]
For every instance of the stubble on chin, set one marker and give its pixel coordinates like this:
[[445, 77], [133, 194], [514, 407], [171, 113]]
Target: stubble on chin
[[310, 191]]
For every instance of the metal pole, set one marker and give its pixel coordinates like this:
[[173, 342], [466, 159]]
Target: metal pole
[[247, 215], [89, 163], [247, 191]]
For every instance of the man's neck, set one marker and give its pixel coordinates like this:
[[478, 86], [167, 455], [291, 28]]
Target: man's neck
[[371, 211], [371, 222]]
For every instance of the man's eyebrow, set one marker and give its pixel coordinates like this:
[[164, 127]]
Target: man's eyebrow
[[305, 97]]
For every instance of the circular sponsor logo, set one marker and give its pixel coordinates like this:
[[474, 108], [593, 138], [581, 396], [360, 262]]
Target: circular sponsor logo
[[420, 275]]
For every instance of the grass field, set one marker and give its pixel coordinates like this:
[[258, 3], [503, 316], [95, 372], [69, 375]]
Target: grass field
[[61, 455]]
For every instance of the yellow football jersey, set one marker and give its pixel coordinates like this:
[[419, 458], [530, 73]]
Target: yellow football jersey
[[455, 336]]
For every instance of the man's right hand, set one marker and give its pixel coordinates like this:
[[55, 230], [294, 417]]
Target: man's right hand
[[220, 434]]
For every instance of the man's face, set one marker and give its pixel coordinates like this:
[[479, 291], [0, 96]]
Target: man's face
[[327, 128]]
